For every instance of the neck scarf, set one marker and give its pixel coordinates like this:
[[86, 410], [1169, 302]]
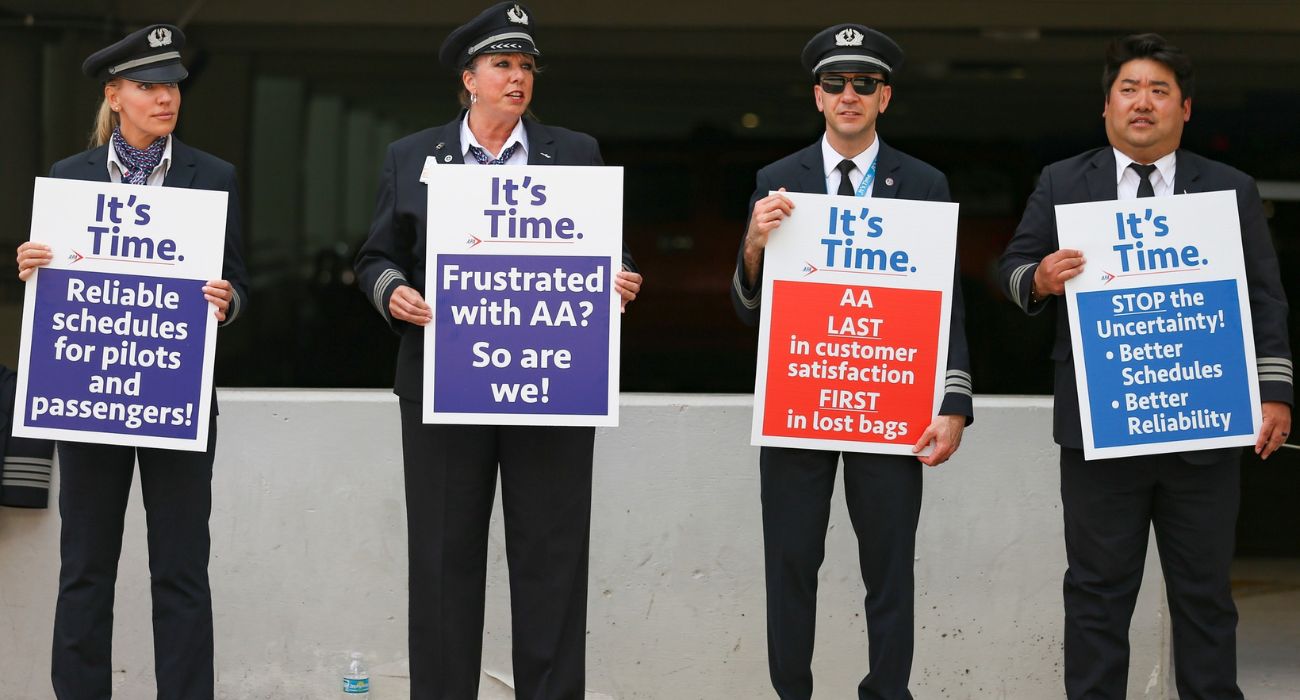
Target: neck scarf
[[138, 163], [483, 158]]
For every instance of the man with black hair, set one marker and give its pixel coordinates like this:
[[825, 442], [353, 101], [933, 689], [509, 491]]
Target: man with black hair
[[1191, 498]]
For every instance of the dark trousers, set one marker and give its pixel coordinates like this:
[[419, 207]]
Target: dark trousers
[[883, 493], [1110, 506], [177, 489], [451, 473]]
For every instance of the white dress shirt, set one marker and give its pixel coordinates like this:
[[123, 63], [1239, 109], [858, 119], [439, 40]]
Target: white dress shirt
[[519, 136], [861, 162], [1162, 180]]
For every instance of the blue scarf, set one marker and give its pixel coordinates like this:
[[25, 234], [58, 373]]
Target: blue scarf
[[138, 163]]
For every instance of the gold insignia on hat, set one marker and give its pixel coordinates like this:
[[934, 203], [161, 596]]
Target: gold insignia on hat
[[160, 37], [849, 37], [517, 15]]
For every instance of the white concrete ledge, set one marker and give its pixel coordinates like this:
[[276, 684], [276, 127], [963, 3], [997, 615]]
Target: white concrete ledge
[[309, 545]]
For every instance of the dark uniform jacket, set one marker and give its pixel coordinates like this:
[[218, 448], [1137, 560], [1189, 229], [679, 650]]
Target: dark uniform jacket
[[1090, 177], [898, 176], [196, 170], [27, 462], [393, 255]]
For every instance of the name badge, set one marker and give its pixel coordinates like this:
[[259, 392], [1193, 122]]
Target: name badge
[[429, 162]]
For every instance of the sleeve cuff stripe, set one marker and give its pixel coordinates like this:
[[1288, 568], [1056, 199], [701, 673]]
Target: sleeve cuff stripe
[[1283, 378], [382, 284], [955, 390], [1016, 278], [750, 303], [234, 305], [12, 460], [26, 483]]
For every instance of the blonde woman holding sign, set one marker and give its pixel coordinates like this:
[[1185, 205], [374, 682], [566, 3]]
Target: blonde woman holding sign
[[133, 144]]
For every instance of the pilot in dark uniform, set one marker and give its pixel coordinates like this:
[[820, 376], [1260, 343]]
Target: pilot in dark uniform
[[851, 66], [133, 144], [451, 470], [1191, 499]]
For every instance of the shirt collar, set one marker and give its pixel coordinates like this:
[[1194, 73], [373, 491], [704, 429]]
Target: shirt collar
[[518, 135], [1165, 165], [831, 158], [165, 163]]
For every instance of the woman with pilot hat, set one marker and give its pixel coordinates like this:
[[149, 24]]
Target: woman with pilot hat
[[451, 470], [132, 143]]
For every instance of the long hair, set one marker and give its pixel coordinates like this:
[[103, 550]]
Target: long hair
[[106, 120]]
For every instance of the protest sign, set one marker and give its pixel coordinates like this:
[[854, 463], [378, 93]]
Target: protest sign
[[1160, 325], [118, 340], [853, 337], [525, 324]]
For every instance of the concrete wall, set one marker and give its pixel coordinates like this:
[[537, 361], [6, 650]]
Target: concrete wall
[[308, 562]]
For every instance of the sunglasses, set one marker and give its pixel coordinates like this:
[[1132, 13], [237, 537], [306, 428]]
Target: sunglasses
[[862, 84]]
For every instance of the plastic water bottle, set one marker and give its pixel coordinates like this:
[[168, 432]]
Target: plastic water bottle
[[356, 680]]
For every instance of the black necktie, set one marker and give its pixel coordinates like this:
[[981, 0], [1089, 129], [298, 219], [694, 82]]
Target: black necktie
[[1144, 179], [846, 187]]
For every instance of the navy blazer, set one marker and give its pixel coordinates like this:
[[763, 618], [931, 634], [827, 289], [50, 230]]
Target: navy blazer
[[1090, 177], [393, 254], [898, 176], [196, 170]]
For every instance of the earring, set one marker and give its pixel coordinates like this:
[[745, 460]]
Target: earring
[[473, 98]]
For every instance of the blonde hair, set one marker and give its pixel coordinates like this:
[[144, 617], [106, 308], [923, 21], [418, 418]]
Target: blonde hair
[[106, 120]]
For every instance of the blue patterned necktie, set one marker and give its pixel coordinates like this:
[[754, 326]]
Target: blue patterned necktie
[[137, 163], [483, 158]]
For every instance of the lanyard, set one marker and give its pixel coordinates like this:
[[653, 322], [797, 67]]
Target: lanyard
[[867, 179]]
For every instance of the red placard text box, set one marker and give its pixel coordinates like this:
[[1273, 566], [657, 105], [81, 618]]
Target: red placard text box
[[851, 363]]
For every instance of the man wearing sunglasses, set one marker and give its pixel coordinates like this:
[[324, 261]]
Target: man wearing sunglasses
[[851, 66]]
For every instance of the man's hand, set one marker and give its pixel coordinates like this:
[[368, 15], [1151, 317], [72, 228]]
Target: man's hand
[[1054, 270], [945, 432], [1275, 428], [768, 214]]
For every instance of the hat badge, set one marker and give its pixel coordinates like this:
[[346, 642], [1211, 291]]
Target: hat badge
[[849, 37], [160, 37], [517, 15]]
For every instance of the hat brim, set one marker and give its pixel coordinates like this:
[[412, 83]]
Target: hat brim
[[852, 67], [167, 73]]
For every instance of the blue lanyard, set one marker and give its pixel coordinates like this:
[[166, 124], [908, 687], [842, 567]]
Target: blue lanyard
[[867, 179]]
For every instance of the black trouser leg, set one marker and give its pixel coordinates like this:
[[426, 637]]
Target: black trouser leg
[[1195, 518], [884, 499], [1107, 507], [450, 473], [796, 493], [177, 491], [546, 498], [95, 481]]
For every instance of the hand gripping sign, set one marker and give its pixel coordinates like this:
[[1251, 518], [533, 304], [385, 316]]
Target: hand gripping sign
[[853, 337], [118, 341], [525, 324], [1160, 325]]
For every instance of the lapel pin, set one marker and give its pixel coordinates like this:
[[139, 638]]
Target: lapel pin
[[439, 146], [889, 182], [446, 159], [544, 155]]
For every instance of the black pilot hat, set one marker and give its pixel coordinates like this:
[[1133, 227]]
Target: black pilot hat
[[506, 27], [149, 55], [851, 48]]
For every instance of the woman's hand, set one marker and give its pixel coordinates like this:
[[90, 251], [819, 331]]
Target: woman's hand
[[628, 284], [406, 304], [32, 255], [219, 293]]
